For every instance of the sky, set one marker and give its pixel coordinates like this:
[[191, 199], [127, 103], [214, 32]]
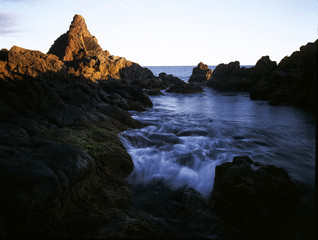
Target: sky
[[168, 32]]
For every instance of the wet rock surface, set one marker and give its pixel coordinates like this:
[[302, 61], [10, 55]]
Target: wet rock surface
[[256, 201]]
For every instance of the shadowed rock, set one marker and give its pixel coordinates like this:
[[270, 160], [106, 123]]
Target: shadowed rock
[[230, 76], [184, 87], [201, 73], [293, 81], [169, 79], [259, 201]]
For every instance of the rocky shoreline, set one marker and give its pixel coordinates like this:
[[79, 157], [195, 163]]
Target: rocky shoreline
[[63, 168]]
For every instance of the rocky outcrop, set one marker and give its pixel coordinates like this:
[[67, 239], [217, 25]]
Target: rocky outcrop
[[83, 57], [230, 76], [184, 87], [169, 79], [19, 63], [201, 73], [76, 43], [63, 168], [294, 81], [256, 201]]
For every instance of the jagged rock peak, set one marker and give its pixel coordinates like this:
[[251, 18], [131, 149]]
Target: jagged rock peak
[[78, 26], [201, 73], [76, 43]]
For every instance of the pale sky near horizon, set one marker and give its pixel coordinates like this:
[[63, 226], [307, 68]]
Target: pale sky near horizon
[[168, 32]]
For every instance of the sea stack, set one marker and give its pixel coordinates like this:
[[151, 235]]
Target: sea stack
[[201, 73]]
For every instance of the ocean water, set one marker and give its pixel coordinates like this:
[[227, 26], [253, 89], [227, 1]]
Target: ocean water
[[187, 136]]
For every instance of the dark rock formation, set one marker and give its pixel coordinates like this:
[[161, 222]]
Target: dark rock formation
[[294, 81], [184, 87], [169, 79], [230, 76], [183, 209], [201, 73], [256, 201], [63, 167], [154, 92]]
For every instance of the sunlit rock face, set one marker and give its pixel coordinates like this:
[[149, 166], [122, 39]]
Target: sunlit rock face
[[85, 58], [201, 73], [19, 62], [76, 42]]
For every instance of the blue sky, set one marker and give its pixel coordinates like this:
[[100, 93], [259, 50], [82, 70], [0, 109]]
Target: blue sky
[[168, 32]]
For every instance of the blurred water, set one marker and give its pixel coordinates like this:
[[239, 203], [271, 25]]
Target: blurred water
[[188, 135]]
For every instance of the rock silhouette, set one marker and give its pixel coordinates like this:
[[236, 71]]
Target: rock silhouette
[[258, 201], [293, 81]]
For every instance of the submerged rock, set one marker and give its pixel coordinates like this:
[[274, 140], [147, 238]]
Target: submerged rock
[[183, 87], [201, 73], [259, 201]]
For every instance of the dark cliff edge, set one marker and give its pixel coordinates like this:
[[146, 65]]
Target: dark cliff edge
[[293, 81], [63, 168]]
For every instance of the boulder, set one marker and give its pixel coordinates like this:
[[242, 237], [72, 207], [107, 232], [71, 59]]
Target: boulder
[[259, 201], [183, 87], [201, 73]]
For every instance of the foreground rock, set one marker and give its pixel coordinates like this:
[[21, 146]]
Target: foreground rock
[[184, 87], [255, 201], [201, 73]]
